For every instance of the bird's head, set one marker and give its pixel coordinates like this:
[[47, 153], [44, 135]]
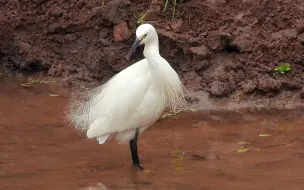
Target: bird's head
[[145, 34]]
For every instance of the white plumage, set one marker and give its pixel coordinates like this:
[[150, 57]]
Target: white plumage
[[134, 98]]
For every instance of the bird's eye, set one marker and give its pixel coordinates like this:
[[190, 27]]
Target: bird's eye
[[143, 37]]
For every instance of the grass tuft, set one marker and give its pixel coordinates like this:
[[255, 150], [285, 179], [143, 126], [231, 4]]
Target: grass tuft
[[174, 8]]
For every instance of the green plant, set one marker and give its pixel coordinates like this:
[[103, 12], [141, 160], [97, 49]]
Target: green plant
[[283, 68], [242, 149], [140, 19], [173, 113], [178, 160], [53, 95], [174, 5], [37, 81], [264, 135], [244, 143]]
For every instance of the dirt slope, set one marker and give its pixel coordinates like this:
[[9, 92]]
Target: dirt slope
[[225, 50]]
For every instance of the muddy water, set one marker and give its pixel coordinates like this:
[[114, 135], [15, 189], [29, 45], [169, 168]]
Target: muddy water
[[245, 149]]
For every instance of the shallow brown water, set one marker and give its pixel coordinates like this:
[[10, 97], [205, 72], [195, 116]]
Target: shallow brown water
[[194, 150]]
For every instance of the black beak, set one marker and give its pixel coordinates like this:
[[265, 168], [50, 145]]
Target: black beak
[[134, 46]]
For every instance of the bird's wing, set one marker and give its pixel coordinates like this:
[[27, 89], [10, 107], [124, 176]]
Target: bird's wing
[[110, 106], [173, 87]]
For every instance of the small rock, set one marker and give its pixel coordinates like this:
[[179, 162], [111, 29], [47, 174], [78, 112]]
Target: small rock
[[201, 51], [114, 11], [289, 33], [217, 1], [271, 15], [121, 32], [203, 34], [301, 38], [176, 25], [74, 51], [24, 46], [56, 28], [191, 75], [56, 12], [214, 44], [70, 37], [194, 41], [193, 33], [103, 34], [302, 95], [292, 84], [95, 10], [90, 5], [235, 66], [300, 27], [173, 52], [248, 86], [268, 84], [201, 66], [219, 88], [239, 21], [167, 28], [276, 35], [152, 16], [56, 70], [80, 4], [244, 43]]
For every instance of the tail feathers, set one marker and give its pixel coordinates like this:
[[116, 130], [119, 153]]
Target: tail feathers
[[97, 128], [102, 139]]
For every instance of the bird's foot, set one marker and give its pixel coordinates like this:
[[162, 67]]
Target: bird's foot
[[138, 166]]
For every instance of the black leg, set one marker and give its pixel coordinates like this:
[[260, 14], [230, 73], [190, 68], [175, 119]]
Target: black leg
[[133, 147]]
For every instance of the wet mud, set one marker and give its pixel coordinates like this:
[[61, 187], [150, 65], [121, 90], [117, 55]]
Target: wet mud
[[225, 51], [243, 149]]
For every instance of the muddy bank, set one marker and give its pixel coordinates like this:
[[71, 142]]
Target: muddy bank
[[225, 51]]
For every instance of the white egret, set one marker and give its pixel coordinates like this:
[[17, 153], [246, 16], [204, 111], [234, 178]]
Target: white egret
[[132, 100]]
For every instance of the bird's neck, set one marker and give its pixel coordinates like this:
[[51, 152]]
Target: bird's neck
[[151, 49]]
